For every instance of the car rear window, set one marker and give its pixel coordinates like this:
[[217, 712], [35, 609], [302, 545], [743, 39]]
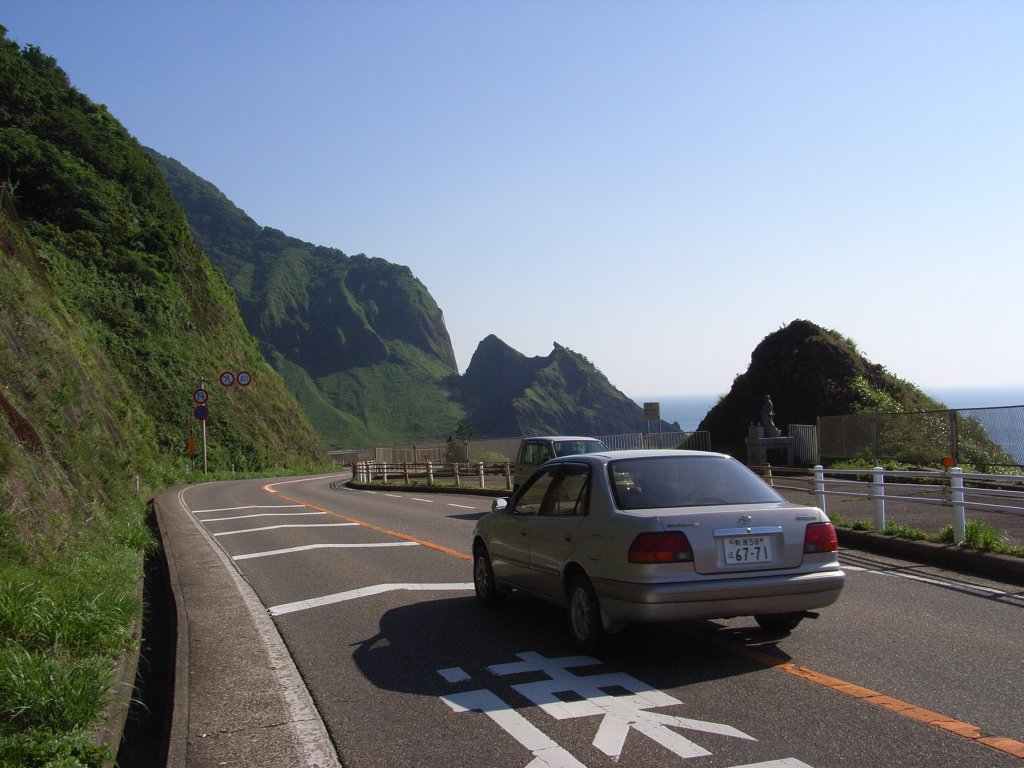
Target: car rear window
[[574, 447], [686, 481]]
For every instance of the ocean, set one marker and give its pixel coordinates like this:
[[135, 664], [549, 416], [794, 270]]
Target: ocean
[[688, 410]]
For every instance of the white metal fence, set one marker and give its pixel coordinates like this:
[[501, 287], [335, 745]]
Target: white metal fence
[[913, 498]]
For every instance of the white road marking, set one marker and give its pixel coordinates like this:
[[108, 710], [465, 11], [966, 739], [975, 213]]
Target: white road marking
[[461, 506], [934, 581], [425, 501], [247, 506], [455, 674], [619, 714], [308, 547], [354, 594], [546, 752], [262, 514], [286, 525]]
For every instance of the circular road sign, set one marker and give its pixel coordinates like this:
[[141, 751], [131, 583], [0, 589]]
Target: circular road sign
[[244, 378], [202, 413], [227, 378], [200, 395]]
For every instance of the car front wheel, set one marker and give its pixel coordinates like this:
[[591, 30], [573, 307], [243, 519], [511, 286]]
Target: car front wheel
[[585, 614], [487, 590]]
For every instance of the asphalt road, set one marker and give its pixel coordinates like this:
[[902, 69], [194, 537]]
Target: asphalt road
[[371, 593]]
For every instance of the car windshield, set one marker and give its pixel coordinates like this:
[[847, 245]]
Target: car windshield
[[574, 447], [658, 482]]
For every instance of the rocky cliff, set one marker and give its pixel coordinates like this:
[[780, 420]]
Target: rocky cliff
[[507, 393]]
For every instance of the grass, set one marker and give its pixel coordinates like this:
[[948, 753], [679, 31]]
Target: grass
[[65, 621]]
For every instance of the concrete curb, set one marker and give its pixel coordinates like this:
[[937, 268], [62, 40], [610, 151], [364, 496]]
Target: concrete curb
[[238, 698], [176, 751]]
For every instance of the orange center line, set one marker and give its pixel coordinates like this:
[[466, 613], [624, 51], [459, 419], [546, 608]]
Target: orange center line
[[1011, 747]]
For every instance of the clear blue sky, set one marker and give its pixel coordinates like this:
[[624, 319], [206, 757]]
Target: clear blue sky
[[655, 185]]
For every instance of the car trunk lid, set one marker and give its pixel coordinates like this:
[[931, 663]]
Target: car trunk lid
[[744, 537]]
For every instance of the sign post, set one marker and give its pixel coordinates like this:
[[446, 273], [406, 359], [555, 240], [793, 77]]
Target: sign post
[[202, 412], [652, 412]]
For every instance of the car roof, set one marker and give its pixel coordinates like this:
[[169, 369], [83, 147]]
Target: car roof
[[647, 453]]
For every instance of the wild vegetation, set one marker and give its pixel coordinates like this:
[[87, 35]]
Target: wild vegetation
[[110, 316]]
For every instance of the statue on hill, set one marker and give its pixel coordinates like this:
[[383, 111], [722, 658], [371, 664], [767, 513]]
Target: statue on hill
[[767, 418]]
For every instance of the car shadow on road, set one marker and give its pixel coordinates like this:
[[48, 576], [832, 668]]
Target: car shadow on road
[[436, 647]]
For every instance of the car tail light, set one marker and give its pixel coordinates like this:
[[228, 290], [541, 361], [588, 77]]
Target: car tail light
[[820, 537], [671, 547]]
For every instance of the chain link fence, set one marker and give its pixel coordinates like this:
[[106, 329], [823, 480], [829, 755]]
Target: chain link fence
[[976, 437]]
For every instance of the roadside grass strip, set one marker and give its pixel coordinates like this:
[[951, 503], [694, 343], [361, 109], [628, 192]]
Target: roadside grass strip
[[354, 594], [1011, 747]]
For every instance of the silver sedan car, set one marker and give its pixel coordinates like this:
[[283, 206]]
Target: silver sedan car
[[658, 535]]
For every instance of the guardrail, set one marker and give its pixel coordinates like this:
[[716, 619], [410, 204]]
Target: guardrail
[[433, 473], [955, 490]]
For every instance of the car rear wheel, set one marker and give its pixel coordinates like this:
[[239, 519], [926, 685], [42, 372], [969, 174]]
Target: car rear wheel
[[585, 614], [487, 590], [781, 623]]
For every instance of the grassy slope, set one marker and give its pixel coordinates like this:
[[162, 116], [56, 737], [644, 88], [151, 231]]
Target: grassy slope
[[109, 316]]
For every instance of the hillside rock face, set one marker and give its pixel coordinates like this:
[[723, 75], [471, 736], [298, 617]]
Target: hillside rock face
[[808, 371], [323, 310], [507, 393], [360, 341]]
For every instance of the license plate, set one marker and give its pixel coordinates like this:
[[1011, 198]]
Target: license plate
[[740, 550]]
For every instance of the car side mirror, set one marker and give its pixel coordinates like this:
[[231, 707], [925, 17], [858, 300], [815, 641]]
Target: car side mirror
[[499, 505]]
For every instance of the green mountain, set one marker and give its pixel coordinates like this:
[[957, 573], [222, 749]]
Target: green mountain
[[507, 393], [360, 341]]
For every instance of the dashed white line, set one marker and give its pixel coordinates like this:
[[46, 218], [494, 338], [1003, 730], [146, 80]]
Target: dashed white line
[[933, 581], [247, 506], [286, 525], [262, 514], [308, 547], [353, 594]]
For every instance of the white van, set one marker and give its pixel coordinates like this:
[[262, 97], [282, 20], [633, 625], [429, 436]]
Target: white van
[[534, 451]]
